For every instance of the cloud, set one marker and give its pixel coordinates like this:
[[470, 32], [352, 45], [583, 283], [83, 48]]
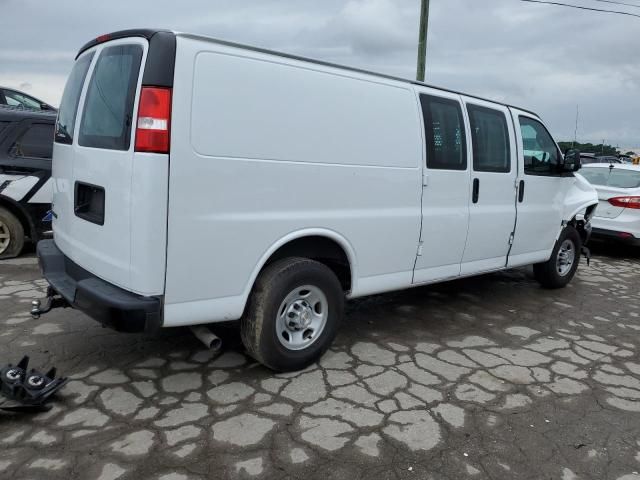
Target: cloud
[[373, 27], [545, 58]]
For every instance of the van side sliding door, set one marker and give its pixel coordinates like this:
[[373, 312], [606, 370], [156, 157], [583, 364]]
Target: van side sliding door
[[492, 210], [445, 191]]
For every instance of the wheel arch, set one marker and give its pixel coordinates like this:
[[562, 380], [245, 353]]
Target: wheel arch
[[326, 246], [21, 214]]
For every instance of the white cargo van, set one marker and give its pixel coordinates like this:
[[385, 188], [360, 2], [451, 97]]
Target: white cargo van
[[200, 181]]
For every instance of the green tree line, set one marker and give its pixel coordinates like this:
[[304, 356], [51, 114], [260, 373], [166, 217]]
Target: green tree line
[[598, 149]]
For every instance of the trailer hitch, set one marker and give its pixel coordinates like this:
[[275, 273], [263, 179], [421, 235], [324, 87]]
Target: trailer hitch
[[27, 390], [52, 301]]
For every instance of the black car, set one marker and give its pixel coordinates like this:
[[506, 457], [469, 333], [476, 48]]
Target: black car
[[14, 98], [26, 145]]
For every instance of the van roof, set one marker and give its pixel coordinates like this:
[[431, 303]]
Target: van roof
[[148, 33]]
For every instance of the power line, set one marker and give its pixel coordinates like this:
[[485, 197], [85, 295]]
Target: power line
[[582, 8], [635, 5]]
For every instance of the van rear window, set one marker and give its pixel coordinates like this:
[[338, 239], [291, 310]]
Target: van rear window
[[70, 98], [108, 108]]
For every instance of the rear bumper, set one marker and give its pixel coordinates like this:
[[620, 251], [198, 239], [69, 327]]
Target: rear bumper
[[614, 235], [108, 304]]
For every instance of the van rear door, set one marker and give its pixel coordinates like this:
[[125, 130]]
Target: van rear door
[[109, 200]]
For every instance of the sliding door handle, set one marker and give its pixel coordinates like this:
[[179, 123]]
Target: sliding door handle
[[476, 190], [521, 191]]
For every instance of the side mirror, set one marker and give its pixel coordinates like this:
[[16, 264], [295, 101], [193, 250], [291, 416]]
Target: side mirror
[[571, 161]]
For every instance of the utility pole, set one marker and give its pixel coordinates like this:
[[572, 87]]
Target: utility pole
[[422, 41]]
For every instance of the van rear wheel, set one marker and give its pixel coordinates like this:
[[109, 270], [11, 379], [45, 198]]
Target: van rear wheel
[[293, 314], [11, 234], [558, 271]]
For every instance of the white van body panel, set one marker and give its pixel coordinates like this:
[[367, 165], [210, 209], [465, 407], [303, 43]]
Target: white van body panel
[[226, 308], [129, 249], [284, 156], [579, 197]]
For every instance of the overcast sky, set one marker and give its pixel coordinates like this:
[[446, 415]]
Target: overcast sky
[[541, 57]]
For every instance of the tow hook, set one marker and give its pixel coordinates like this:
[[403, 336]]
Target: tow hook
[[52, 301], [587, 254]]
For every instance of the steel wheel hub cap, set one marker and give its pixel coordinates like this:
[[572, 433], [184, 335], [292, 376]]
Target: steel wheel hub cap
[[302, 317], [566, 257], [5, 237]]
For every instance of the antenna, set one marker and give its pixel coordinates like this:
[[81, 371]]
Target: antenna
[[575, 135]]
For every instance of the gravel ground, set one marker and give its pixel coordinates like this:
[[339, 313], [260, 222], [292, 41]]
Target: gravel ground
[[490, 377]]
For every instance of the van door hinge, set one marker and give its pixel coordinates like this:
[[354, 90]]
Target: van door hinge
[[420, 249], [511, 239], [425, 179]]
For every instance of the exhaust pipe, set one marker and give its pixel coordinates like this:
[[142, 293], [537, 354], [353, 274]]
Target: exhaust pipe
[[206, 336]]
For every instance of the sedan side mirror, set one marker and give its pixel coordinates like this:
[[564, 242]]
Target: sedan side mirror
[[571, 160]]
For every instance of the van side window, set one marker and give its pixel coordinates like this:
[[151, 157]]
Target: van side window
[[108, 109], [490, 140], [36, 142], [70, 98], [444, 132], [541, 155]]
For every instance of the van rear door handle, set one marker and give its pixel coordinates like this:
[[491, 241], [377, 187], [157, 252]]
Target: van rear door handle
[[521, 191], [476, 190]]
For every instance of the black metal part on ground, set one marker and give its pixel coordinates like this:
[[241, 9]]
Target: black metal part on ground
[[27, 391]]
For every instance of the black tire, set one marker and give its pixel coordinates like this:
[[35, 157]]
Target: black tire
[[11, 225], [548, 273], [258, 325]]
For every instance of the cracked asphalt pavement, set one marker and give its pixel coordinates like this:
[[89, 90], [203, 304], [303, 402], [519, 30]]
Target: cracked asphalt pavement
[[488, 377]]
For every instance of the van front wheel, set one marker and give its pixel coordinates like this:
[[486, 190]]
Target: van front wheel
[[11, 234], [293, 314], [558, 271]]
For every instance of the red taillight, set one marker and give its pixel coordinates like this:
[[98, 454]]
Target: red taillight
[[154, 120], [103, 38], [625, 202]]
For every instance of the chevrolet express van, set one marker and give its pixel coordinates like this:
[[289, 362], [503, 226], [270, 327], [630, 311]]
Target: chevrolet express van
[[200, 181]]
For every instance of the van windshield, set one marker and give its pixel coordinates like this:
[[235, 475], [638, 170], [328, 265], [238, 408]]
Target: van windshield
[[108, 108], [70, 98]]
